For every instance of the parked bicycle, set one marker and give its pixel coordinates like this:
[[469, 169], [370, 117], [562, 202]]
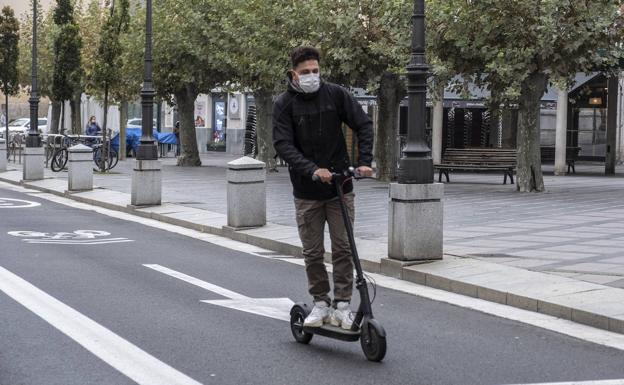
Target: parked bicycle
[[60, 155], [57, 150], [104, 153]]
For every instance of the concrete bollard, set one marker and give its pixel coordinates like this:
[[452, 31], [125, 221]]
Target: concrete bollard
[[146, 183], [80, 166], [246, 193], [34, 160], [415, 222], [3, 155]]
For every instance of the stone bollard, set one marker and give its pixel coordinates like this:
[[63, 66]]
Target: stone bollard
[[34, 160], [246, 193], [80, 168], [415, 222], [146, 183], [3, 155]]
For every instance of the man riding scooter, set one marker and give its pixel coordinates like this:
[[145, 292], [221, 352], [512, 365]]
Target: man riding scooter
[[307, 134]]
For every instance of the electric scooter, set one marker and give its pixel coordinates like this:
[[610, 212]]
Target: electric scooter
[[365, 327]]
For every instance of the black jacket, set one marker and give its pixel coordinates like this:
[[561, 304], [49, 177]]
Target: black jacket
[[307, 134]]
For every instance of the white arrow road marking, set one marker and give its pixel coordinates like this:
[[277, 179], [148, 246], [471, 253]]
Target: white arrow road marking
[[276, 308], [127, 358]]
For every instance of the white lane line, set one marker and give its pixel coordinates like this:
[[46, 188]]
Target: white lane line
[[582, 332], [600, 382], [197, 282], [127, 358]]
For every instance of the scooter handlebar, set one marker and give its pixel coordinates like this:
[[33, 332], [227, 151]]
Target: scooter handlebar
[[351, 172]]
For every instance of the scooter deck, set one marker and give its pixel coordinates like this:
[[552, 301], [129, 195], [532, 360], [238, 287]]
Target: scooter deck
[[334, 332]]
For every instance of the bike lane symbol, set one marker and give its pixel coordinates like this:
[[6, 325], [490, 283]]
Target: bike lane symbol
[[9, 203], [78, 237]]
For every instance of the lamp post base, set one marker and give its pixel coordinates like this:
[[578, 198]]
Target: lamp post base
[[415, 170], [147, 151], [415, 219], [3, 155], [34, 159]]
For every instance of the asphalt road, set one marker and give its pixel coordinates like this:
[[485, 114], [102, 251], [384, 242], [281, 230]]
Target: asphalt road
[[428, 342]]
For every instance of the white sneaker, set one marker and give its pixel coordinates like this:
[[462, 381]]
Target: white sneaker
[[318, 315], [342, 316]]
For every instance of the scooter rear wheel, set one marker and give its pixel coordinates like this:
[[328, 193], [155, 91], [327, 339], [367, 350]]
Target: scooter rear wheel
[[373, 341], [297, 316]]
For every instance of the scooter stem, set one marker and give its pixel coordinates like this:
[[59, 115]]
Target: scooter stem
[[365, 307]]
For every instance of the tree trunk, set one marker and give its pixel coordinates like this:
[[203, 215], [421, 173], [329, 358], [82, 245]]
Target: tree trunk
[[6, 123], [103, 153], [264, 128], [55, 118], [391, 92], [123, 119], [63, 129], [612, 106], [510, 127], [74, 104], [529, 169], [185, 99]]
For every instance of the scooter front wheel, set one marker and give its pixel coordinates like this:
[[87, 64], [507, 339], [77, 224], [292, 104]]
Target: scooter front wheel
[[373, 341], [297, 315]]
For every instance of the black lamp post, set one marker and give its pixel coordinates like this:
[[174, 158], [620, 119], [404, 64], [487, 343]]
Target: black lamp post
[[147, 148], [416, 164], [33, 139]]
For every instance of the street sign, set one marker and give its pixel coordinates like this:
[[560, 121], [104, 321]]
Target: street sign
[[276, 308], [78, 237], [8, 203]]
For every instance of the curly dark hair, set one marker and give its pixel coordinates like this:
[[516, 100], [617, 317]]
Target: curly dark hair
[[305, 53]]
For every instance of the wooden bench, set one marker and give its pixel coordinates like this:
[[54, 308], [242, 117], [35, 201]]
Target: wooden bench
[[478, 159], [572, 154]]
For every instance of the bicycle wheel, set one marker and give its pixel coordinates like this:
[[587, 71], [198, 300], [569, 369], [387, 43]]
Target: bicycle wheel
[[49, 152], [97, 158], [59, 160], [113, 158]]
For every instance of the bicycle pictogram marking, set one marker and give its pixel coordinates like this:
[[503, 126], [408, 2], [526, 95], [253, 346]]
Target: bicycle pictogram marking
[[78, 237]]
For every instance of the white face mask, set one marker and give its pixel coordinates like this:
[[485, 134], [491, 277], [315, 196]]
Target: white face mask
[[310, 83]]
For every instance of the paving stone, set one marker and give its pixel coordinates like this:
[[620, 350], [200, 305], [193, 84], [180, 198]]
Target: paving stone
[[527, 263], [599, 279], [596, 268]]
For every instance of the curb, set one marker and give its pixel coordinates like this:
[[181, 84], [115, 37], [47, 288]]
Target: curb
[[594, 305]]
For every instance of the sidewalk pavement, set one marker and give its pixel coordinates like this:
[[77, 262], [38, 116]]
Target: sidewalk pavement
[[559, 253]]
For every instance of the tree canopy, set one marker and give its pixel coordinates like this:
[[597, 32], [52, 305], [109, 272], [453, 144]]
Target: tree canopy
[[67, 74], [107, 62], [9, 51], [515, 48], [45, 53]]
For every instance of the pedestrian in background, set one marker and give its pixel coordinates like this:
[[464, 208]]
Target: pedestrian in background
[[176, 132], [92, 129]]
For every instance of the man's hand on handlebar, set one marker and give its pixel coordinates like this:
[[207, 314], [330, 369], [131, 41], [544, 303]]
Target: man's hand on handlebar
[[324, 175], [364, 171]]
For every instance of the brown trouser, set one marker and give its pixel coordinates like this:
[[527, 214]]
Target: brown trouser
[[311, 218]]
